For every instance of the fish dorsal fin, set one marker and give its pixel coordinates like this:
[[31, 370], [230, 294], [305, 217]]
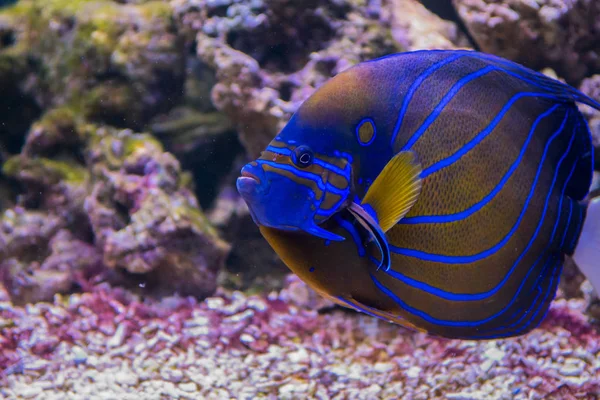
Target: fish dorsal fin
[[395, 190]]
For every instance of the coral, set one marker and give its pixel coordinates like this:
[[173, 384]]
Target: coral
[[270, 55], [146, 219], [117, 64], [563, 35]]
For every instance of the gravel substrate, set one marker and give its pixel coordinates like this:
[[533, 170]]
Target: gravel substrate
[[108, 345]]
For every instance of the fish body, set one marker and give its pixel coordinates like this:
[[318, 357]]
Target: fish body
[[440, 190]]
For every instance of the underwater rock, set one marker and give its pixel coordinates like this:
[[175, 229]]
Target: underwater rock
[[146, 219], [414, 27], [120, 192], [59, 184], [39, 258], [563, 35], [113, 63], [270, 55]]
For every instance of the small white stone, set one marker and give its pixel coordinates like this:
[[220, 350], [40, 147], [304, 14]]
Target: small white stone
[[295, 388], [117, 339], [465, 396], [298, 357], [535, 381], [383, 367], [494, 354], [571, 370], [30, 391], [243, 316], [188, 387], [246, 338], [171, 374], [487, 365], [214, 303], [126, 378], [413, 372], [79, 355], [200, 320]]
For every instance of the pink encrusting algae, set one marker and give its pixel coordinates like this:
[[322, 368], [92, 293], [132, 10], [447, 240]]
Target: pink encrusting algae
[[109, 344]]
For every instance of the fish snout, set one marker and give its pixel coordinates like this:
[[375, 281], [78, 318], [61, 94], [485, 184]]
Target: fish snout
[[252, 182]]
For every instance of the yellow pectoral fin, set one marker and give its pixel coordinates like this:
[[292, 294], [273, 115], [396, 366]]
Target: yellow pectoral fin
[[395, 190]]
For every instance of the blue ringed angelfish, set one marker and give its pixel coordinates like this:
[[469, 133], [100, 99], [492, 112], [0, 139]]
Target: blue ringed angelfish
[[440, 190]]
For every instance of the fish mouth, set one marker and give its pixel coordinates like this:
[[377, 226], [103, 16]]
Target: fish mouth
[[252, 182], [246, 174]]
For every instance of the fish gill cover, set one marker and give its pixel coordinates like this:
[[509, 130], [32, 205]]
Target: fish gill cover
[[131, 267]]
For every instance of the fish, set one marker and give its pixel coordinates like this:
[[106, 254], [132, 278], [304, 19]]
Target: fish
[[441, 190]]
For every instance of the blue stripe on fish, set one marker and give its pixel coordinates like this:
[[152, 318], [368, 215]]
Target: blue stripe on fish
[[479, 296], [527, 313], [333, 168], [431, 319], [430, 219], [444, 102], [415, 85], [483, 134], [307, 175], [535, 78]]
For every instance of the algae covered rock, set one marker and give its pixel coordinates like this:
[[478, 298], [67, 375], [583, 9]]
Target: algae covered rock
[[113, 63], [146, 220], [94, 68], [50, 171], [115, 195]]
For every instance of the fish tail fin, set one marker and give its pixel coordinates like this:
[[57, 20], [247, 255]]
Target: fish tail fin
[[587, 251]]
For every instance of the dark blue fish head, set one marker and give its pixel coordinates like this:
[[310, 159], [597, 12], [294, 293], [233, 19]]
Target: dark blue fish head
[[291, 187], [310, 170]]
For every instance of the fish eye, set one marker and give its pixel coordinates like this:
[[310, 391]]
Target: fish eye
[[303, 157]]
